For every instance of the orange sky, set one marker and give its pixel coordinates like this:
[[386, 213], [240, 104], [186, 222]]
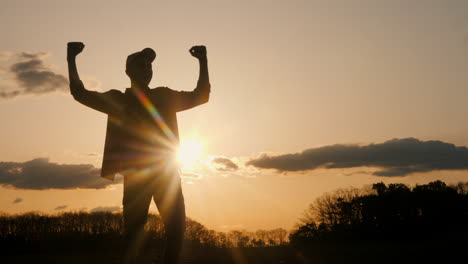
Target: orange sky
[[286, 76]]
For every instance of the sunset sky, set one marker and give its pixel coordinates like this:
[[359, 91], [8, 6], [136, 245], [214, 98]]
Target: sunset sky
[[307, 97]]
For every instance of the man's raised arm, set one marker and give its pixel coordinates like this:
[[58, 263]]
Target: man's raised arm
[[103, 102], [201, 94]]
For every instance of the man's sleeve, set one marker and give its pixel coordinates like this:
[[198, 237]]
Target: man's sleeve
[[183, 100], [107, 102]]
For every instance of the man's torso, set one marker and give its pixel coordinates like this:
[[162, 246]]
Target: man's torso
[[143, 135]]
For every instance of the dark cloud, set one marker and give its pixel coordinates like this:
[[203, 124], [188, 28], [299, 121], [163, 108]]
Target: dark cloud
[[9, 94], [61, 207], [32, 55], [396, 157], [18, 200], [226, 164], [110, 209], [32, 76], [40, 174]]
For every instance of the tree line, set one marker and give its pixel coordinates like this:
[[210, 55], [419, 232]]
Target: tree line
[[108, 226], [433, 211], [379, 211]]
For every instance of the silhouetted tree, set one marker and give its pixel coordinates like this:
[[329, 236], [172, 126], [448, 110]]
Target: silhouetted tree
[[395, 211]]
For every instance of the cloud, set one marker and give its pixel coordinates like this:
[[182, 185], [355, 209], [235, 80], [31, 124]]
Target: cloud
[[40, 174], [61, 207], [18, 200], [109, 209], [27, 73], [8, 94], [396, 157], [190, 175], [5, 55], [226, 164]]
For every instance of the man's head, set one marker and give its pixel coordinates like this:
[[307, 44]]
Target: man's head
[[138, 66]]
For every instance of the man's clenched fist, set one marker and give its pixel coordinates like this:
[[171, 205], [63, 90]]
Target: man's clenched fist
[[198, 52], [74, 48]]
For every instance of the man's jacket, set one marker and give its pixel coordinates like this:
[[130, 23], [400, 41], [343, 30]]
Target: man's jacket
[[142, 129]]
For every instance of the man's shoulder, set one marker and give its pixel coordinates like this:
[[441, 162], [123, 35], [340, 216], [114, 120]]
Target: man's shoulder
[[114, 95], [161, 89], [163, 95]]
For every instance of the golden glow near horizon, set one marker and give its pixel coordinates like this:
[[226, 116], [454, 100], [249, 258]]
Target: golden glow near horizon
[[190, 153]]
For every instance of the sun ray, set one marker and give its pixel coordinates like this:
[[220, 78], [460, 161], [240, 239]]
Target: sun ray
[[190, 153]]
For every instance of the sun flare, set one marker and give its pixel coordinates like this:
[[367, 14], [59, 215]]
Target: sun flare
[[190, 152]]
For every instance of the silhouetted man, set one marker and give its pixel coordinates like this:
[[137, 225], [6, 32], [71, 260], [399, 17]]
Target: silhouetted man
[[141, 142]]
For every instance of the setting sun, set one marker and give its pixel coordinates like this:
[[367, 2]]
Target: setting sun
[[189, 153]]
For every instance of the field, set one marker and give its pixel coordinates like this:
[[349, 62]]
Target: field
[[378, 252]]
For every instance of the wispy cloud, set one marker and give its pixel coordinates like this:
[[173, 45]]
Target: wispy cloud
[[396, 157], [27, 73], [18, 200], [225, 164], [40, 174], [110, 209], [61, 207], [5, 55]]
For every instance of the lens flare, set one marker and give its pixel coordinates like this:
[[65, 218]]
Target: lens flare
[[190, 153], [154, 113]]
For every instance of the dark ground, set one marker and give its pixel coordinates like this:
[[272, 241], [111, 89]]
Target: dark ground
[[359, 252], [96, 253]]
